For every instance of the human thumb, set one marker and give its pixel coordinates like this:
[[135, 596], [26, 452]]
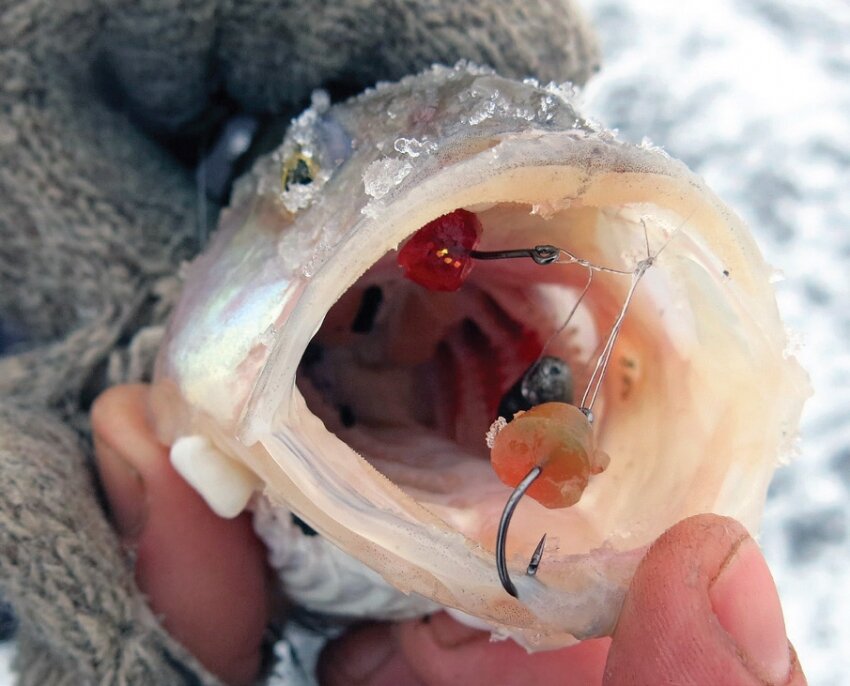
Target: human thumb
[[702, 609]]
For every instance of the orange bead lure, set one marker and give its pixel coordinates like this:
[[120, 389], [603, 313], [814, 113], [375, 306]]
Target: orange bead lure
[[559, 439], [549, 453]]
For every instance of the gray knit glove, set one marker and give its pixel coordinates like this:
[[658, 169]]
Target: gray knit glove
[[104, 105]]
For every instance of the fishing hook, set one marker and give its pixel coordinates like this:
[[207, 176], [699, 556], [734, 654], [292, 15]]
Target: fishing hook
[[502, 534]]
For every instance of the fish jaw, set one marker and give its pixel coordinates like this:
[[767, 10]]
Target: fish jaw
[[713, 406]]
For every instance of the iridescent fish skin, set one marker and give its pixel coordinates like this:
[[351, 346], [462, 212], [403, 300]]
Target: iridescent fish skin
[[701, 403]]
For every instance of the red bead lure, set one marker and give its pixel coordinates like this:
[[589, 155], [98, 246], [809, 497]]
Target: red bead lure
[[439, 255]]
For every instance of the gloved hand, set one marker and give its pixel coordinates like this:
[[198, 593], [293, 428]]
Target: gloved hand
[[104, 108]]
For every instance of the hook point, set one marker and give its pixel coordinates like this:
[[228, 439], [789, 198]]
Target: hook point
[[536, 557], [502, 534]]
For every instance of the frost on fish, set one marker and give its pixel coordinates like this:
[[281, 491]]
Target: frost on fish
[[371, 427]]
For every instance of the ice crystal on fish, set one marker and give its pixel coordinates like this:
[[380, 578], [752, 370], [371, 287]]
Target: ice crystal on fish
[[381, 176], [413, 147], [494, 103], [297, 197], [494, 430]]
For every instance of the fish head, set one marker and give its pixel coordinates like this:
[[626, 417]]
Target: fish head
[[374, 433]]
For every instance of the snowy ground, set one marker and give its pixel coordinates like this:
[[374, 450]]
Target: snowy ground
[[755, 96]]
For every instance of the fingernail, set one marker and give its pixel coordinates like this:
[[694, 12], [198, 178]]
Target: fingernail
[[125, 491], [746, 603]]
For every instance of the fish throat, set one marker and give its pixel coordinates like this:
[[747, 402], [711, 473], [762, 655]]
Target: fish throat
[[439, 345]]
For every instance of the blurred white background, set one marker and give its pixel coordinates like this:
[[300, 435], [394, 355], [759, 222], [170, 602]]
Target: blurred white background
[[754, 95]]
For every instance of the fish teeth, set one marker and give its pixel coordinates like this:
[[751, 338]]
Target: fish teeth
[[223, 483]]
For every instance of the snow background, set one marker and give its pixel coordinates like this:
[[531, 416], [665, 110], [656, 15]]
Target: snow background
[[754, 95]]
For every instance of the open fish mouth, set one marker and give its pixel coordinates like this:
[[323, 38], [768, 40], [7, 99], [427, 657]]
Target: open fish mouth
[[412, 378], [356, 393]]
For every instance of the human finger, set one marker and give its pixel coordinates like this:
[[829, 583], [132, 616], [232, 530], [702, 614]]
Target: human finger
[[702, 608], [204, 576], [439, 651]]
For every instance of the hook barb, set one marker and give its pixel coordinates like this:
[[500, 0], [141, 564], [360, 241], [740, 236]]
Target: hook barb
[[502, 534]]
